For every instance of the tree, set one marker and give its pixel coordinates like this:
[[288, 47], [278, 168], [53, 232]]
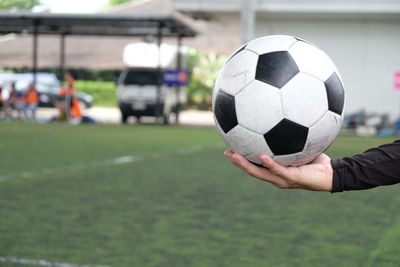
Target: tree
[[117, 2], [205, 69], [18, 4]]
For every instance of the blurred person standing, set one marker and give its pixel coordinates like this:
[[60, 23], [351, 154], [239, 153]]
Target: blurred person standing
[[10, 102], [17, 98], [2, 100], [70, 84], [69, 105], [5, 101], [32, 101], [65, 95]]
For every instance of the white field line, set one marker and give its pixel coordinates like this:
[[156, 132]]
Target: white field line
[[44, 262], [108, 162]]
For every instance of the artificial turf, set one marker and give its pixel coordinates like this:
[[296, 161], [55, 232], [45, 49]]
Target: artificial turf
[[66, 196]]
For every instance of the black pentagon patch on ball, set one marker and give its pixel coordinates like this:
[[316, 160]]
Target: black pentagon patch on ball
[[287, 137], [335, 93], [276, 68], [225, 111]]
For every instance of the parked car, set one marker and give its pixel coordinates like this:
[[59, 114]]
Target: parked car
[[47, 84], [143, 88]]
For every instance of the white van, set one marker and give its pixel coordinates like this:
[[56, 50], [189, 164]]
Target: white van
[[138, 83]]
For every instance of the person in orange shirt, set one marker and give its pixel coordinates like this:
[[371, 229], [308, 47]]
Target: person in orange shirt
[[69, 105], [65, 95], [70, 88], [32, 100], [75, 115]]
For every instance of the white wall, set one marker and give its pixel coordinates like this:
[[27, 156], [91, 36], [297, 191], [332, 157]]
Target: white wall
[[366, 52]]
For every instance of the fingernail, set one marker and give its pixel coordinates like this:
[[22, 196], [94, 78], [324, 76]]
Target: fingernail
[[263, 158], [235, 159]]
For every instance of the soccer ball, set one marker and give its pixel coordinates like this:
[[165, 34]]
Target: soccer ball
[[281, 96]]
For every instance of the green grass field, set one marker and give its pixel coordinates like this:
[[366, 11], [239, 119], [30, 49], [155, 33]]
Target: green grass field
[[166, 196]]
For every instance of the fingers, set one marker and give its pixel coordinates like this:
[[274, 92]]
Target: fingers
[[228, 153], [253, 170], [315, 176], [321, 159], [243, 164], [274, 167]]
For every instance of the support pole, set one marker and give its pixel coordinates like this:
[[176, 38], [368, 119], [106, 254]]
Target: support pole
[[158, 110], [62, 57], [247, 20], [67, 97], [178, 87], [35, 51]]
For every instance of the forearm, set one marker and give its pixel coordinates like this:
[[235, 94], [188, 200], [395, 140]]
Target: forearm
[[375, 167]]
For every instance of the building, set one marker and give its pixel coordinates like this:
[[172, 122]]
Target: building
[[90, 52], [362, 38]]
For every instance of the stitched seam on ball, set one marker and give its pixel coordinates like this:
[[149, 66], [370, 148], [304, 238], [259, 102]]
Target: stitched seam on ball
[[326, 111]]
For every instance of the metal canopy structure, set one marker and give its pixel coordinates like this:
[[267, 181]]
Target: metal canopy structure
[[135, 25], [95, 24]]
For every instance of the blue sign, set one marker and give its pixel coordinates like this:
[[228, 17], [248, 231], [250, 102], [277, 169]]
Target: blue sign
[[176, 77]]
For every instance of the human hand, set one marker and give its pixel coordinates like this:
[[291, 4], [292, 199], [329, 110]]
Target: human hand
[[316, 175]]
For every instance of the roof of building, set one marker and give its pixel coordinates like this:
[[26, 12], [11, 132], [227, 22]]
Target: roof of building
[[216, 36], [93, 52], [83, 49], [355, 7], [101, 24]]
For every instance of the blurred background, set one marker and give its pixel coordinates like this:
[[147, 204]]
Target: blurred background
[[147, 194], [360, 36]]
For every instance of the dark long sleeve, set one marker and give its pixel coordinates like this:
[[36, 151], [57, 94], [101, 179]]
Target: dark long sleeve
[[375, 167]]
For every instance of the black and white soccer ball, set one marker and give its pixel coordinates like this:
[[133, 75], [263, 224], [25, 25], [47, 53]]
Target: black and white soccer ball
[[281, 96]]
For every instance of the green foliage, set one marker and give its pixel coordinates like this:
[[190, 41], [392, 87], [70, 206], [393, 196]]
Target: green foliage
[[96, 74], [118, 2], [103, 93], [177, 203], [205, 71], [80, 74], [19, 4]]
